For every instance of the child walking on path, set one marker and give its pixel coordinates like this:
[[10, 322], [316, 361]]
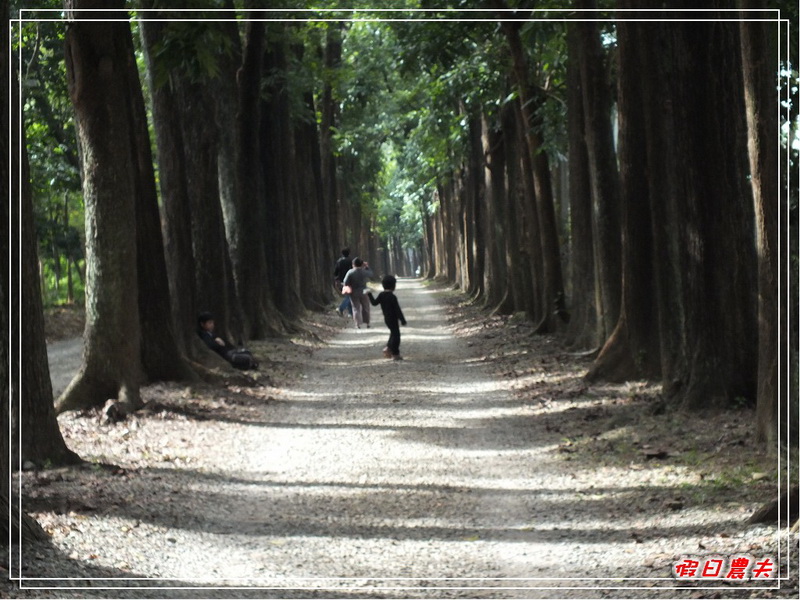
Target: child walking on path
[[392, 316]]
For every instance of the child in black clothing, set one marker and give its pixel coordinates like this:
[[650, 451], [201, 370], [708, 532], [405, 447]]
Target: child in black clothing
[[392, 316]]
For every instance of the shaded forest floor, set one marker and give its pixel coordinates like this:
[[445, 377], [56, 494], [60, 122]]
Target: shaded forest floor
[[681, 467]]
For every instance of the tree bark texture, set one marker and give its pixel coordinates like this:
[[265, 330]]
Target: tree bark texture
[[604, 177], [719, 253], [249, 254], [162, 355], [530, 247], [332, 59], [283, 258], [428, 242], [97, 71], [632, 351], [224, 90], [759, 63], [213, 280], [40, 437], [495, 277], [475, 197], [176, 216], [551, 284], [23, 349], [582, 331], [449, 231], [700, 210], [311, 209], [312, 234], [188, 110], [518, 257]]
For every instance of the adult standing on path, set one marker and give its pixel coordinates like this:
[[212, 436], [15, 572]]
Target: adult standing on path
[[357, 279], [340, 269]]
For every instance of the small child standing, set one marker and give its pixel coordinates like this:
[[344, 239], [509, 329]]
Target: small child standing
[[392, 316]]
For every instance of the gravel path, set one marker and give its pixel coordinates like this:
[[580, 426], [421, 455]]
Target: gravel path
[[64, 357], [379, 478]]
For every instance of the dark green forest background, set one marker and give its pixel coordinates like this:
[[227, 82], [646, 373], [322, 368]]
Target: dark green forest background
[[623, 173]]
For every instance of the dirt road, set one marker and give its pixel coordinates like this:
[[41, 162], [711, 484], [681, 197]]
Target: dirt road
[[374, 478]]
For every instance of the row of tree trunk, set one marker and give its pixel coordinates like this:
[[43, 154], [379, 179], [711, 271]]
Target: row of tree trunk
[[667, 278], [672, 250], [249, 206], [249, 220]]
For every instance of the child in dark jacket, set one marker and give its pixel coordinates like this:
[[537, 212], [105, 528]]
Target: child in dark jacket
[[392, 316]]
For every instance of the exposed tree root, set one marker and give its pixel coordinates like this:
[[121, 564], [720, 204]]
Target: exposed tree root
[[20, 523], [772, 511], [592, 353]]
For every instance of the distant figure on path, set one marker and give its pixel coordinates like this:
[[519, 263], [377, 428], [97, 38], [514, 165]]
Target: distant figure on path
[[357, 279], [343, 265], [238, 357], [392, 315]]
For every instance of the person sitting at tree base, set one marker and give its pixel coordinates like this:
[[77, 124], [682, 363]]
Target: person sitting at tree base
[[240, 358]]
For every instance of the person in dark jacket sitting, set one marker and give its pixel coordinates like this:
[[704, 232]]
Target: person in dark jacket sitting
[[238, 357]]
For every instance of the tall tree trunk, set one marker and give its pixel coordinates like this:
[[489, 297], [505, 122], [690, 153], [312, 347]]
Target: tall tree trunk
[[449, 229], [441, 253], [56, 253], [24, 351], [530, 246], [464, 231], [70, 287], [171, 147], [603, 171], [582, 331], [249, 256], [215, 288], [720, 329], [96, 57], [284, 263], [224, 90], [701, 211], [517, 256], [162, 356], [662, 187], [40, 437], [632, 351], [551, 279], [759, 63], [428, 243], [495, 279], [10, 531], [475, 195], [189, 149], [18, 526], [332, 58], [437, 233], [315, 288]]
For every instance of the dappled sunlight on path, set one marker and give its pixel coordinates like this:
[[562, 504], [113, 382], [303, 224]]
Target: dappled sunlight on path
[[429, 469], [427, 476]]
